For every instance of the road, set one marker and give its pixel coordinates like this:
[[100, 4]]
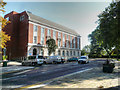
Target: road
[[42, 73]]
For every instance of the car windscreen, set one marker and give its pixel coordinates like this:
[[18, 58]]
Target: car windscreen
[[83, 58], [31, 57], [41, 57]]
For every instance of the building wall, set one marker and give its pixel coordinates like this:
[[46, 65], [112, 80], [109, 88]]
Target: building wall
[[18, 32], [23, 35], [65, 49], [12, 30], [22, 31]]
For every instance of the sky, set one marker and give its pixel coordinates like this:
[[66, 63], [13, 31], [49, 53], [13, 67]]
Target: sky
[[80, 16]]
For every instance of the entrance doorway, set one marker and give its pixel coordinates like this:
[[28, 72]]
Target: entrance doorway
[[34, 51]]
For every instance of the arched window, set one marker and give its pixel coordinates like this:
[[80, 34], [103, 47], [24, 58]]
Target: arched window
[[78, 53], [63, 53], [59, 52], [34, 51]]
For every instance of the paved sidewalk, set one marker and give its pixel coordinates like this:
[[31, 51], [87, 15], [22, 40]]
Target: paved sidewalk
[[13, 67]]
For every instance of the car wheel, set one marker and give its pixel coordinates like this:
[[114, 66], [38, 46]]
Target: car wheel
[[23, 64], [40, 64], [44, 62], [34, 64], [78, 62]]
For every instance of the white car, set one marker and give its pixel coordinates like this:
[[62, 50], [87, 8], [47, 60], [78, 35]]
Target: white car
[[83, 59]]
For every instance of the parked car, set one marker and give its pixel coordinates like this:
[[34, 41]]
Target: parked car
[[47, 60], [83, 59], [53, 59], [62, 59], [33, 60], [72, 59]]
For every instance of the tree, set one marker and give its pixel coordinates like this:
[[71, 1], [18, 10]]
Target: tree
[[51, 46], [107, 32], [3, 36], [85, 50]]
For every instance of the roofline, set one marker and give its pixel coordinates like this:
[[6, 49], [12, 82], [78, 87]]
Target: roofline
[[35, 21]]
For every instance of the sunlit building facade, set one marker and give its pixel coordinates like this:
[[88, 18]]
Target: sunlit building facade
[[29, 34]]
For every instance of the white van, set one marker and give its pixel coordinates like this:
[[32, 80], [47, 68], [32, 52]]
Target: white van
[[53, 59], [33, 60], [83, 59]]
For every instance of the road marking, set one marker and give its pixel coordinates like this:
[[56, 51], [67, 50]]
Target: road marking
[[14, 77], [21, 72], [38, 85]]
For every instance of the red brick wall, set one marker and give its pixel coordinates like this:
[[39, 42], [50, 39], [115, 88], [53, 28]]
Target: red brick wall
[[18, 32], [39, 34], [23, 35], [12, 45], [30, 33]]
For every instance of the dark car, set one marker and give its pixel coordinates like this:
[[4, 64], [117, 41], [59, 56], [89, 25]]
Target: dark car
[[62, 59], [72, 59]]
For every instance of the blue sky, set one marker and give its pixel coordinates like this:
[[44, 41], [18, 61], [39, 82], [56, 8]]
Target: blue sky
[[80, 16]]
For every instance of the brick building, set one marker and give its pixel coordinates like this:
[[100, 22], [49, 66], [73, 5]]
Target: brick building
[[29, 34]]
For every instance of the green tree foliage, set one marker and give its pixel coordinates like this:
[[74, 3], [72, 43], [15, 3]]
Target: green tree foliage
[[85, 50], [107, 33], [51, 46]]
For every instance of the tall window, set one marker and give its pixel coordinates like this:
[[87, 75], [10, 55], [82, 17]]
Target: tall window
[[63, 40], [67, 43], [78, 53], [59, 52], [41, 52], [42, 35], [70, 53], [54, 35], [74, 53], [35, 28], [78, 42], [59, 39], [70, 41], [74, 42], [35, 33], [35, 39], [48, 32], [67, 53], [63, 53]]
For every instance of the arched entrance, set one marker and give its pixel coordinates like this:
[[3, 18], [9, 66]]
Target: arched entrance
[[34, 51]]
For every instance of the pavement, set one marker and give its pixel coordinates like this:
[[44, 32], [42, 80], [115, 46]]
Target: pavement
[[13, 66]]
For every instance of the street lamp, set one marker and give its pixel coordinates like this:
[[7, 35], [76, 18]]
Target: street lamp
[[4, 50]]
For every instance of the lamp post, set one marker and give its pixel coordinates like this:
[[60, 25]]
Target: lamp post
[[4, 50]]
